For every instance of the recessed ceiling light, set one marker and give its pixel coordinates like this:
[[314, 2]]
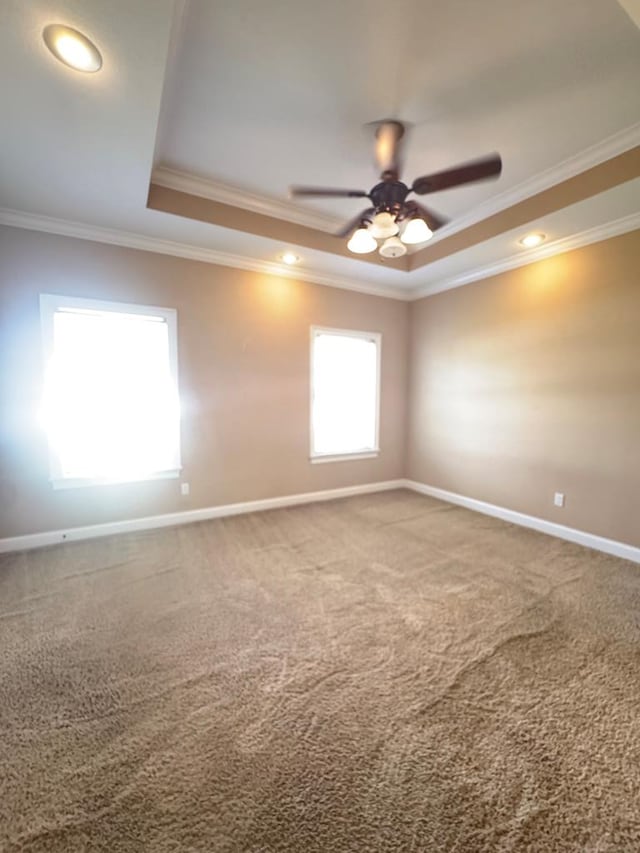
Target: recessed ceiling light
[[531, 240], [290, 258], [72, 48]]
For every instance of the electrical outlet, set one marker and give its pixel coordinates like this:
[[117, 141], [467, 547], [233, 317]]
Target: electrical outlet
[[184, 488], [558, 499]]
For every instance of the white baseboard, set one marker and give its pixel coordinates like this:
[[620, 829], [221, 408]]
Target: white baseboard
[[599, 543], [172, 519], [52, 537]]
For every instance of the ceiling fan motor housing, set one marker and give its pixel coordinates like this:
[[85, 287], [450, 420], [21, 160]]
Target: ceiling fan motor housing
[[389, 196]]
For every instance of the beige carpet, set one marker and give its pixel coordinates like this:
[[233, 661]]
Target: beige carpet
[[383, 673]]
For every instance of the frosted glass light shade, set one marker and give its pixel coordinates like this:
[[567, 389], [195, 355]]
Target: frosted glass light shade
[[393, 247], [416, 231], [383, 225], [361, 242]]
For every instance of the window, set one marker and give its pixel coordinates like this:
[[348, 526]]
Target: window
[[110, 404], [345, 394]]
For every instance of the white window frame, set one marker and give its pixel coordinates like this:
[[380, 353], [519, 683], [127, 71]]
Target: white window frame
[[49, 304], [368, 453]]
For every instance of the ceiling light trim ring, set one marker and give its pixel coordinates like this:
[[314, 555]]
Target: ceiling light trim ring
[[72, 48], [533, 239]]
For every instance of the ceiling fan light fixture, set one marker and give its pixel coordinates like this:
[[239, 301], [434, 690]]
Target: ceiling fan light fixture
[[383, 225], [389, 211], [361, 242], [416, 231], [393, 247]]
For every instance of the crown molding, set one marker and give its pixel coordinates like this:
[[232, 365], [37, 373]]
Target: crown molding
[[173, 179], [588, 158], [78, 230], [564, 244], [81, 231]]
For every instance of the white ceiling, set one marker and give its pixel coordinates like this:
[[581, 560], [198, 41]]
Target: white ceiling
[[262, 94], [265, 94], [80, 146]]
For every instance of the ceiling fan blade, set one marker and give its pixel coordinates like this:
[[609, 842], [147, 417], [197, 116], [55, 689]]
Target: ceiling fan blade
[[466, 173], [388, 146], [433, 220], [355, 222], [325, 192]]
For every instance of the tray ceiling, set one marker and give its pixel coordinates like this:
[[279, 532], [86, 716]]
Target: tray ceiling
[[232, 102]]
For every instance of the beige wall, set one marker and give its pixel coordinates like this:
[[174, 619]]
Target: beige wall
[[520, 385], [528, 383], [244, 380]]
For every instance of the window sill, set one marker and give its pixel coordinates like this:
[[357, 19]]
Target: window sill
[[317, 458], [77, 483]]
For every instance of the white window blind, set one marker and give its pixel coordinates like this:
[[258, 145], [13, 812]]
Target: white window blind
[[110, 407], [345, 388]]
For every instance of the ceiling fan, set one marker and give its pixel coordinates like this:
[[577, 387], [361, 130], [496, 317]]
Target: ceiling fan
[[390, 210]]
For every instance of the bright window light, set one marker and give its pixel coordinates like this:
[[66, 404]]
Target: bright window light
[[110, 404], [345, 385]]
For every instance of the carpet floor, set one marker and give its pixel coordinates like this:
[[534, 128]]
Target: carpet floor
[[381, 673]]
